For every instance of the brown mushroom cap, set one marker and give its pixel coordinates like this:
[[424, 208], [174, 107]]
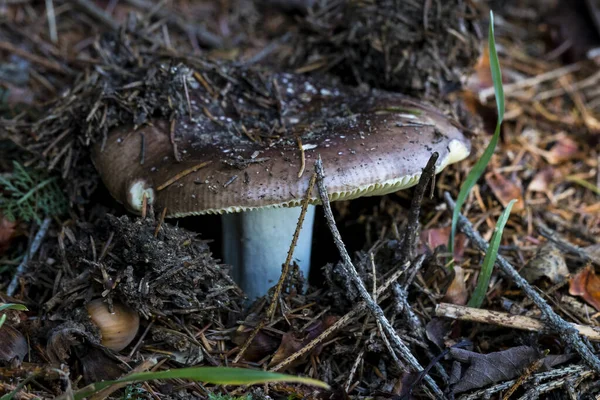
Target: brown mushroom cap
[[370, 144]]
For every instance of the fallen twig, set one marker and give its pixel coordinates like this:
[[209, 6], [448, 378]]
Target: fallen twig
[[557, 376], [377, 312], [564, 244], [35, 245], [463, 313], [340, 323], [412, 225], [553, 321]]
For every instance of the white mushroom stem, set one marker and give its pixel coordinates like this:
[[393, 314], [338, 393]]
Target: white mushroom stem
[[256, 244]]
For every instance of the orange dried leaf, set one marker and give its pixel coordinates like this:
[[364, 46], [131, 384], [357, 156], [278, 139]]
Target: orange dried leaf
[[432, 238], [564, 149], [543, 180], [505, 190], [481, 78], [586, 284], [457, 291], [7, 233]]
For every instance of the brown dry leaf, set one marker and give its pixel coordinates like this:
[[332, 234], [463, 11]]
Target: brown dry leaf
[[548, 262], [7, 233], [262, 345], [481, 370], [481, 78], [457, 291], [544, 180], [586, 284], [292, 342], [564, 149], [506, 190], [433, 238]]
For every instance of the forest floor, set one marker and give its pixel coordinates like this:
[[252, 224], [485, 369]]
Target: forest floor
[[72, 71]]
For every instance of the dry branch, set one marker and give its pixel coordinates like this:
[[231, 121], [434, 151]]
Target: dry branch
[[522, 322], [375, 309]]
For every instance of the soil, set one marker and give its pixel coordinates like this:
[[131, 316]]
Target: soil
[[73, 72]]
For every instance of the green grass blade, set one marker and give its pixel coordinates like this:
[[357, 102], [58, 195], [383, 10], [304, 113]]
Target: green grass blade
[[496, 73], [2, 320], [10, 306], [482, 163], [490, 259], [214, 375], [584, 183]]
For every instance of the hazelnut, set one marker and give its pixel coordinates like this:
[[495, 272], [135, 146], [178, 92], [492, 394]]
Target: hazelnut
[[12, 344], [117, 329]]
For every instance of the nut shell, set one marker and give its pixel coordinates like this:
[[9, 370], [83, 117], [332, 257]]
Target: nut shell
[[117, 329], [12, 344]]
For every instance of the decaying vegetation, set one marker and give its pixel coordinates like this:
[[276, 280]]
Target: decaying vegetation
[[387, 315]]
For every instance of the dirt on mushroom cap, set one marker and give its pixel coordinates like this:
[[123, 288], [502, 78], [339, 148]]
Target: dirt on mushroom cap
[[373, 142]]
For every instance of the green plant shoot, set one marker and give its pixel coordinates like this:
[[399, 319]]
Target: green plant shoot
[[490, 259], [482, 163]]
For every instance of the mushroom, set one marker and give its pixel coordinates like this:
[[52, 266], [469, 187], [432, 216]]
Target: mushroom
[[371, 144]]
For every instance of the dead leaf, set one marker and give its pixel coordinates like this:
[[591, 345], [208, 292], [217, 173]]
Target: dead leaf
[[547, 262], [506, 190], [457, 291], [436, 330], [486, 369], [292, 342], [586, 284], [564, 149], [262, 345], [7, 233], [433, 238], [544, 180], [481, 78]]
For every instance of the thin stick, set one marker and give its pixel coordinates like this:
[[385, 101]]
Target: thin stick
[[527, 82], [353, 370], [160, 221], [564, 244], [35, 245], [51, 21], [182, 174], [522, 322], [52, 66], [351, 270], [554, 322], [340, 323], [98, 13], [412, 225], [290, 254]]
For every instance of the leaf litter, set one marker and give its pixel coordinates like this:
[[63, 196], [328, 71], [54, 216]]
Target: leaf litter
[[193, 313]]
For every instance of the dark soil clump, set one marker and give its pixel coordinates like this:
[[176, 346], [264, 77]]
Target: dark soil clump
[[417, 47]]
